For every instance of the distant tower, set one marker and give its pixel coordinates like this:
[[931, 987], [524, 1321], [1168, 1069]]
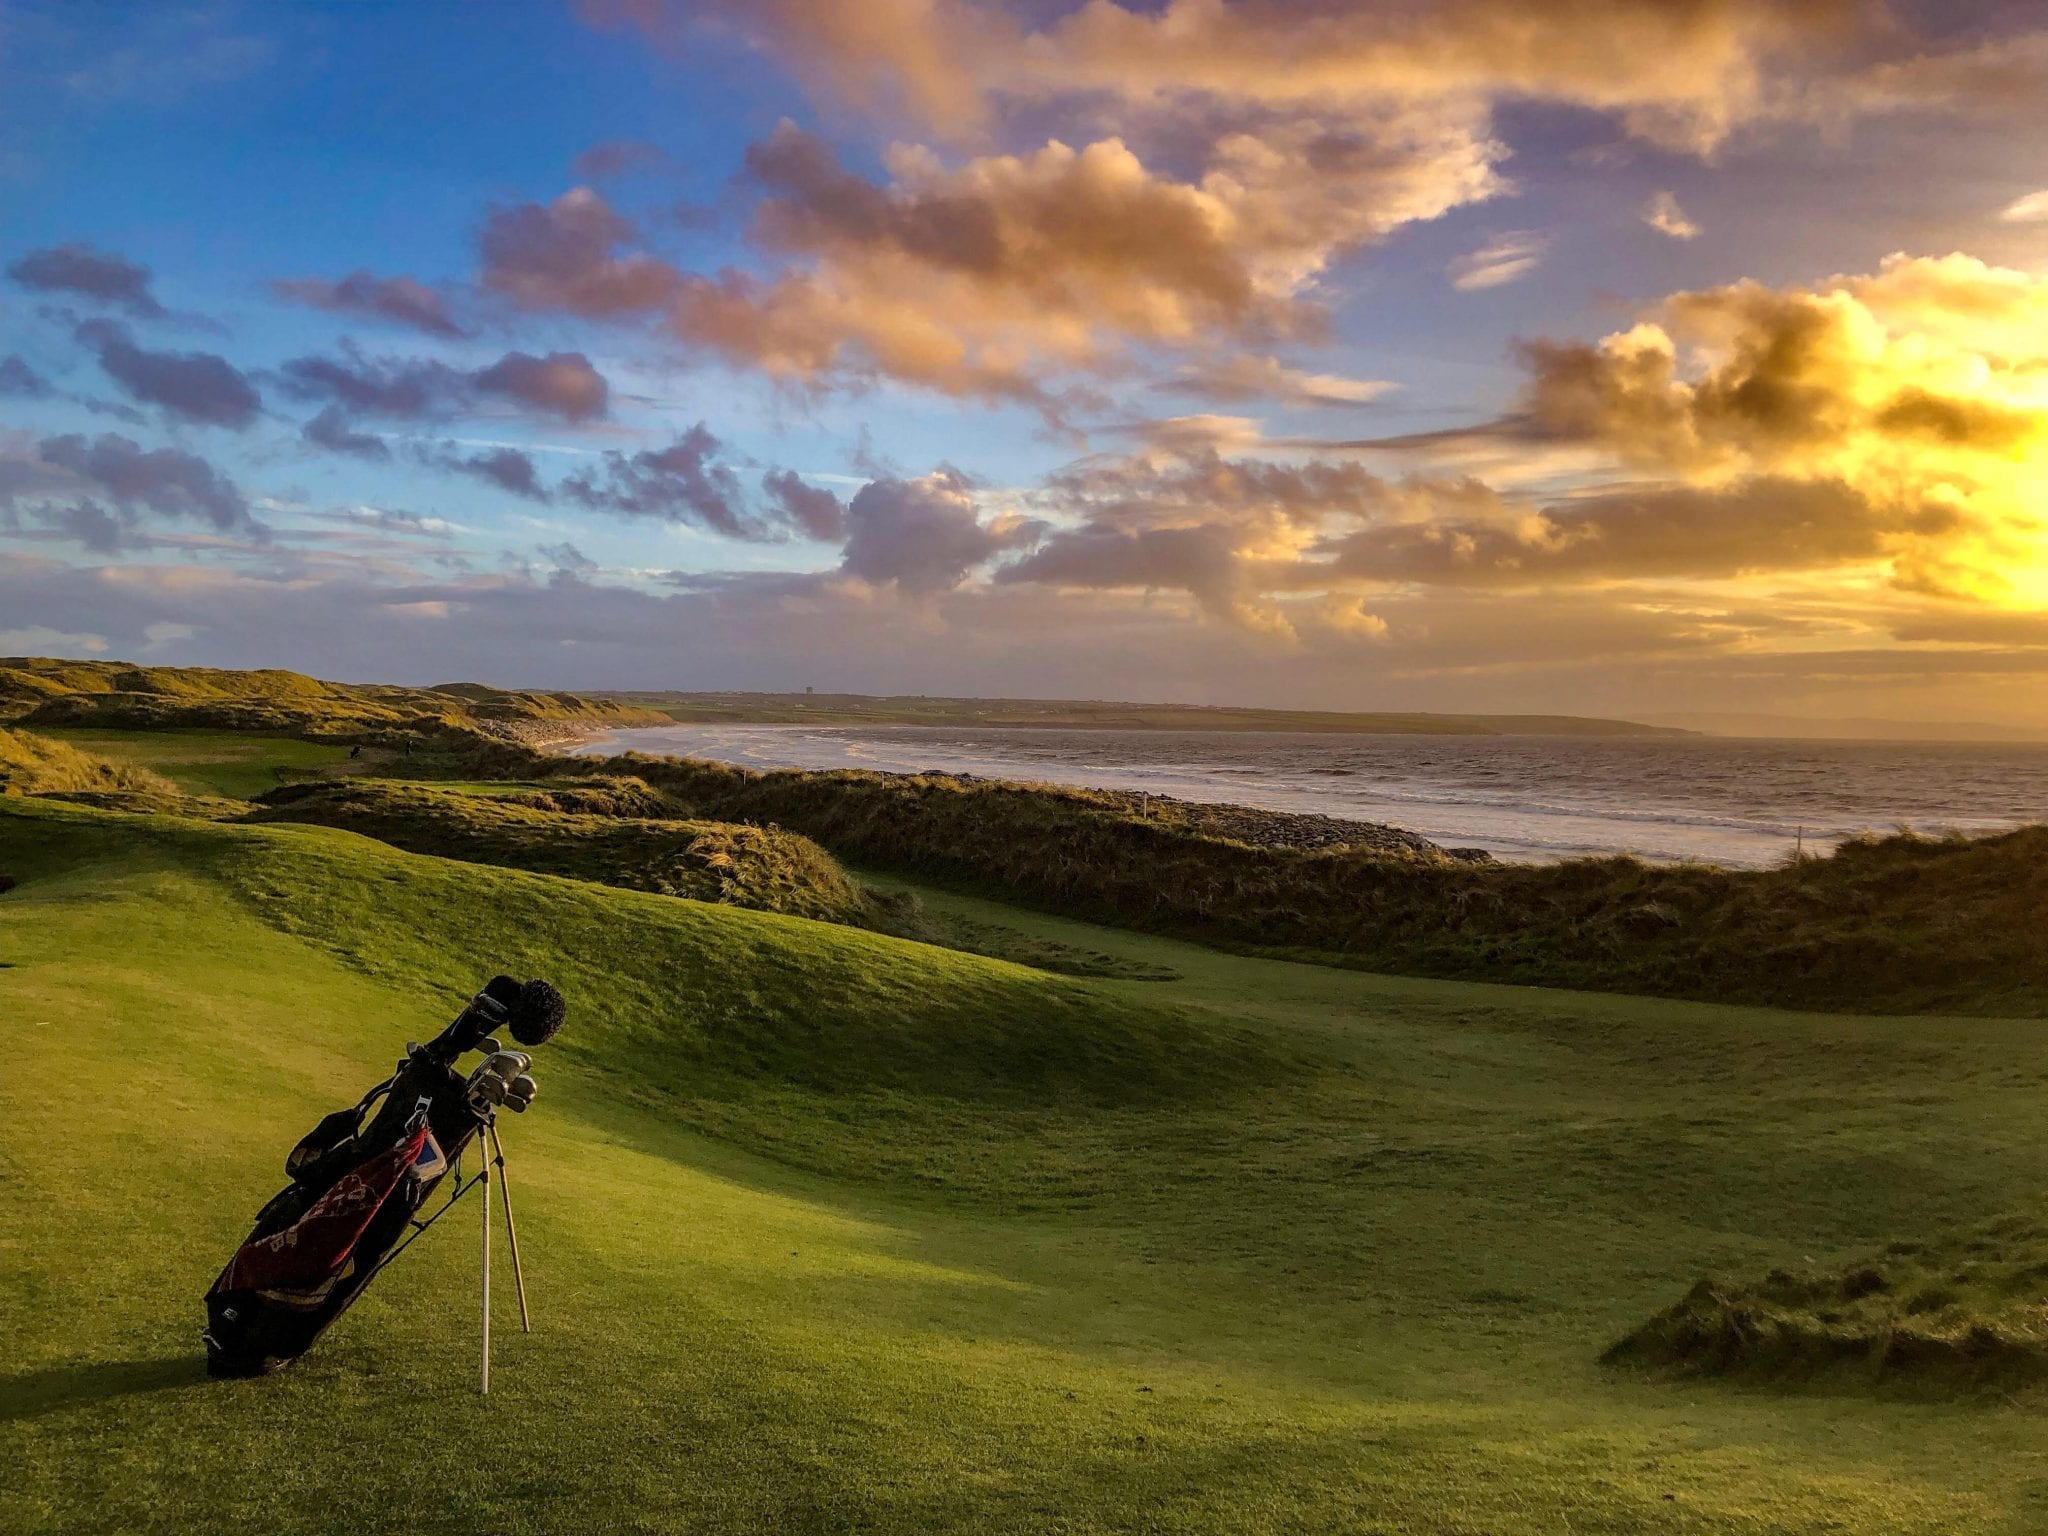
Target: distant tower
[[810, 690]]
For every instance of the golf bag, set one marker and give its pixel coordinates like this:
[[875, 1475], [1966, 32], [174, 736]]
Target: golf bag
[[359, 1178]]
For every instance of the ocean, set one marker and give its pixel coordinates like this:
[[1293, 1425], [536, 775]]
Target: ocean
[[1537, 798]]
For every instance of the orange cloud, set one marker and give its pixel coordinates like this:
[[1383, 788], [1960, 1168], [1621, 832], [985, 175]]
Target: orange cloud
[[990, 277]]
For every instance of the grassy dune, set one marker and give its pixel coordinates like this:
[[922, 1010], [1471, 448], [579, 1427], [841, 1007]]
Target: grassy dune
[[1897, 925], [32, 764], [761, 868], [828, 1231], [230, 764], [45, 691]]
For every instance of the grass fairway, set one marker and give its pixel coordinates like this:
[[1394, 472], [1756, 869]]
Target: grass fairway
[[233, 764], [830, 1232]]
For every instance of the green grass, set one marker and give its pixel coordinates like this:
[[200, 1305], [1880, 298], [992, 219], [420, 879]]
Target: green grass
[[827, 1231], [227, 763]]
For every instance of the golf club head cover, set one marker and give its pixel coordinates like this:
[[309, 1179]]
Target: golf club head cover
[[537, 1013]]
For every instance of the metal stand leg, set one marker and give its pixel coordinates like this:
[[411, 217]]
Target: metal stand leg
[[485, 1387], [511, 1232]]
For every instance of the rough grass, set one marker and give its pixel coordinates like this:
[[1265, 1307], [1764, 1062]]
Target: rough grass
[[564, 833], [1899, 924], [1966, 1314], [47, 691], [31, 764], [830, 1232]]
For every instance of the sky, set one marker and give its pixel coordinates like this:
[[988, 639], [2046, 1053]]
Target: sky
[[1620, 357]]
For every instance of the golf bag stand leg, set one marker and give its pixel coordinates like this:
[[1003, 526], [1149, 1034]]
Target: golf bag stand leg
[[511, 1231], [485, 1387]]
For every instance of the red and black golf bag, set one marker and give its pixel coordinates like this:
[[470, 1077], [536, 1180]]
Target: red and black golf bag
[[359, 1178]]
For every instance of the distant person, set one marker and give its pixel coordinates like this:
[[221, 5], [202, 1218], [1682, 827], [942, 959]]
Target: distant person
[[354, 753]]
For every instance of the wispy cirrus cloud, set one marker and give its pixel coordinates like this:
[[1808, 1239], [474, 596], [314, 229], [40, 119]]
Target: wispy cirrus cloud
[[1504, 259]]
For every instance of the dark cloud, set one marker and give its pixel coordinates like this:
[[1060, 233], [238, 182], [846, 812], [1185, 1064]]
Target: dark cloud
[[506, 468], [399, 300], [331, 430], [616, 157], [18, 379], [98, 490], [811, 510], [561, 384], [681, 483], [924, 535], [688, 482], [93, 274], [397, 389], [192, 386], [561, 257]]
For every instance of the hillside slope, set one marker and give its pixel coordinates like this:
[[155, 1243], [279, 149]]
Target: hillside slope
[[48, 691], [826, 1231]]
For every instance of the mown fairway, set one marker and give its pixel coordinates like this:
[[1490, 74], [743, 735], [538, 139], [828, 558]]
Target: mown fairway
[[828, 1232], [230, 763]]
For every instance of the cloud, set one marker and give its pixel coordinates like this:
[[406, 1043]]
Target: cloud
[[391, 520], [2030, 209], [1683, 75], [93, 274], [331, 430], [989, 278], [562, 384], [1885, 374], [1665, 216], [1916, 388], [1229, 531], [1757, 526], [20, 380], [810, 510], [1243, 376], [568, 560], [399, 389], [924, 535], [399, 300], [98, 490], [682, 483], [197, 387], [506, 468], [616, 157], [561, 257], [1501, 260], [1214, 162]]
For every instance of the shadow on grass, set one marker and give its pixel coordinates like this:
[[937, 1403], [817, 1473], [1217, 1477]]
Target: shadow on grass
[[30, 1394]]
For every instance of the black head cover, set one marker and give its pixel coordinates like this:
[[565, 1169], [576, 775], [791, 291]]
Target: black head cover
[[537, 1014]]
